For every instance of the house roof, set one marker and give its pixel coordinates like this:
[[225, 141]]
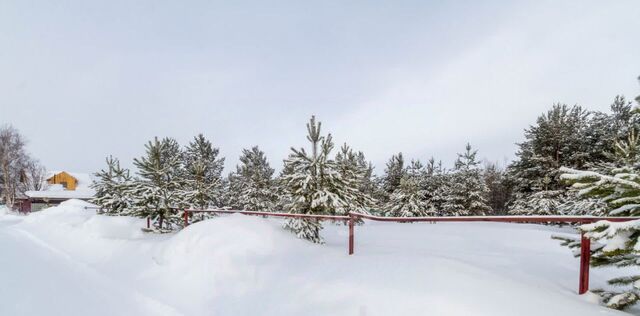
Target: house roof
[[50, 175], [64, 194]]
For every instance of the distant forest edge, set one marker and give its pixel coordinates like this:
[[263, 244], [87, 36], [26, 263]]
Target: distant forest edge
[[325, 179]]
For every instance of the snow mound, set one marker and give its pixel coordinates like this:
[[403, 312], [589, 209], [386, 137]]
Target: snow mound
[[236, 237], [72, 217], [221, 259]]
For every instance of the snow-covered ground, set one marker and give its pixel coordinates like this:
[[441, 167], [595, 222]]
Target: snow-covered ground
[[68, 261]]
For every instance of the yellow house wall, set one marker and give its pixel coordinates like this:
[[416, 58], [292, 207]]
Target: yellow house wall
[[62, 177]]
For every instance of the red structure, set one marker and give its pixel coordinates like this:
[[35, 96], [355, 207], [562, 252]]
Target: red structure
[[23, 205], [585, 245], [585, 256]]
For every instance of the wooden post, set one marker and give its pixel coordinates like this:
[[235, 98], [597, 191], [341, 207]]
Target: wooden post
[[148, 222], [585, 256], [186, 218], [351, 241]]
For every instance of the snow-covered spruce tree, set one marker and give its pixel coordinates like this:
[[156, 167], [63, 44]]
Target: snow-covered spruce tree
[[113, 189], [466, 190], [408, 200], [558, 138], [355, 172], [202, 186], [158, 190], [252, 186], [312, 184]]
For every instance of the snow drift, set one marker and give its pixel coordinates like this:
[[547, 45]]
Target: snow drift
[[79, 262]]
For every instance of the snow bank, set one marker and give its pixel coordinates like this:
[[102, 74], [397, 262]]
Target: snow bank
[[4, 210], [7, 214], [240, 265], [76, 218]]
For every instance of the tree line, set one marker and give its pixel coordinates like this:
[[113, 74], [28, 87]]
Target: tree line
[[323, 179]]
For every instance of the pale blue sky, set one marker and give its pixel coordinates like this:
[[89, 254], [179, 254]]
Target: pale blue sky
[[86, 79]]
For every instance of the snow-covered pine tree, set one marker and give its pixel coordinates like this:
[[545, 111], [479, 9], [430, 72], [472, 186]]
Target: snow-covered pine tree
[[202, 174], [558, 138], [368, 184], [638, 97], [390, 181], [466, 189], [113, 189], [576, 205], [312, 184], [627, 153], [616, 243], [355, 172], [252, 186], [434, 186], [607, 128], [545, 202], [408, 200], [158, 190], [499, 187]]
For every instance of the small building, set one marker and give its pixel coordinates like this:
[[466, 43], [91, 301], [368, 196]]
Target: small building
[[63, 178], [60, 186]]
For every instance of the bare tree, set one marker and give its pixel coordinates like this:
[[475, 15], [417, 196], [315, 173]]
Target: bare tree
[[14, 165], [36, 176]]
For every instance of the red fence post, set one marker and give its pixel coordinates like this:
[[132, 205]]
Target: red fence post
[[351, 222], [585, 256], [186, 218]]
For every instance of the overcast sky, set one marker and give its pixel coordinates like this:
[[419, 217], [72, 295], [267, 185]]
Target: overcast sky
[[82, 80]]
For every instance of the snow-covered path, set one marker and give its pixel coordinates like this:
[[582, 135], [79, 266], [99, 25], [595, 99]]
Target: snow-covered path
[[69, 261], [38, 279]]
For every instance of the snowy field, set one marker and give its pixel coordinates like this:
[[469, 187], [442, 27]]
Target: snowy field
[[68, 261]]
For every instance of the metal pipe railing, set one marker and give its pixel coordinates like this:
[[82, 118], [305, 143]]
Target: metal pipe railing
[[352, 217]]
